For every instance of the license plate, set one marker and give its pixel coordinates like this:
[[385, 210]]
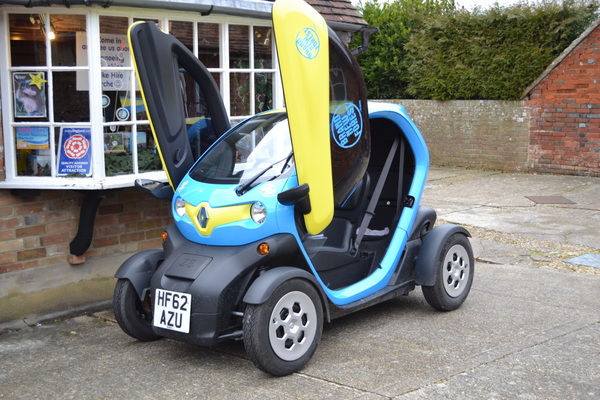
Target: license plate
[[172, 310]]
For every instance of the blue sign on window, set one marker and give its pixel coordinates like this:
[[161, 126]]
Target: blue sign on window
[[74, 154]]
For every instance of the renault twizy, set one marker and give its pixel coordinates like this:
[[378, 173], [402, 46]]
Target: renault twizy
[[293, 217]]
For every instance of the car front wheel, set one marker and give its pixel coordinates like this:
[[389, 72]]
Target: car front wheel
[[282, 334], [133, 315]]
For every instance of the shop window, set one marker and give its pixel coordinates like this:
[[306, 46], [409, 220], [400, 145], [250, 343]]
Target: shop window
[[45, 96], [64, 89], [128, 144]]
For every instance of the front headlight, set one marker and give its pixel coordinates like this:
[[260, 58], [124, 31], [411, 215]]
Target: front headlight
[[258, 211], [180, 206]]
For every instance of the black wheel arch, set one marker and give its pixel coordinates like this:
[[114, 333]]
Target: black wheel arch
[[426, 270], [262, 287], [139, 268]]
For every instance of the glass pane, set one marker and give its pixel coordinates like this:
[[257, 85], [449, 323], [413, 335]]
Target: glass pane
[[262, 47], [201, 132], [140, 109], [33, 150], [184, 32], [68, 31], [240, 94], [114, 50], [27, 39], [117, 150], [70, 104], [263, 92], [208, 44], [217, 77], [239, 46], [117, 104], [148, 159]]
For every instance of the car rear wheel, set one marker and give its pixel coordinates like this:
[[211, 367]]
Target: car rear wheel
[[282, 334], [133, 315], [455, 271]]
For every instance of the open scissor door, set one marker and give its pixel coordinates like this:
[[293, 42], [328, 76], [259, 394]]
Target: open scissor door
[[163, 64], [327, 110], [303, 50]]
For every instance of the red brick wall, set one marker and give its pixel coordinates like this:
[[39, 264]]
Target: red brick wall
[[36, 232], [565, 114]]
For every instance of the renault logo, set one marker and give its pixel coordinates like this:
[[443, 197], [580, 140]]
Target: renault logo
[[203, 217]]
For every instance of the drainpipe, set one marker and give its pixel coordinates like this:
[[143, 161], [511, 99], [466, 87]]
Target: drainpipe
[[87, 215], [365, 32], [347, 30]]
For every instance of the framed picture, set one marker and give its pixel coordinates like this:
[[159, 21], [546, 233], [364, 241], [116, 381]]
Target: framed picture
[[29, 94]]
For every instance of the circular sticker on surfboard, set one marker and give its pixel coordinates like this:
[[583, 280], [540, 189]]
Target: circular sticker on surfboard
[[347, 125]]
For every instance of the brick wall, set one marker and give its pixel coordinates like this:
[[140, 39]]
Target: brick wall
[[565, 113], [479, 134], [35, 276], [36, 231]]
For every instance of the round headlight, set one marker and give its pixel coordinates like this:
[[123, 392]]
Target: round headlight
[[258, 211], [180, 206]]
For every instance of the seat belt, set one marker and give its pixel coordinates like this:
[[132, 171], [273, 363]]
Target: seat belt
[[370, 211], [400, 198]]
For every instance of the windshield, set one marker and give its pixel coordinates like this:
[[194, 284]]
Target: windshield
[[257, 150]]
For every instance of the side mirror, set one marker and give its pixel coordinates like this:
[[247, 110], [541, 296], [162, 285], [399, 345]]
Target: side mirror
[[296, 196], [157, 189]]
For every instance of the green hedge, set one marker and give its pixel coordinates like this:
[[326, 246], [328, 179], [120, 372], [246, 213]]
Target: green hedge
[[448, 54]]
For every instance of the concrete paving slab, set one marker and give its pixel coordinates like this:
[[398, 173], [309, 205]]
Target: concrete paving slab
[[539, 372], [517, 320], [499, 201]]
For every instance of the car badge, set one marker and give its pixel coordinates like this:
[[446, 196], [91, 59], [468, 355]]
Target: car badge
[[203, 217]]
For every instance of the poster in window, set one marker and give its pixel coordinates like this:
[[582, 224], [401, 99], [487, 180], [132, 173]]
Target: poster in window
[[114, 52], [75, 153], [30, 94], [113, 142], [32, 137]]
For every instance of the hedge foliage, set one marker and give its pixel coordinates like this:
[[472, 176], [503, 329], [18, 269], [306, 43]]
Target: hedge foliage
[[429, 49]]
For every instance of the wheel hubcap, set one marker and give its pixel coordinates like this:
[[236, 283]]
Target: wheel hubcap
[[292, 326], [456, 270]]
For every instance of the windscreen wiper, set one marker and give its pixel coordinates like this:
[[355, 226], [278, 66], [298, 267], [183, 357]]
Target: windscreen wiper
[[244, 187]]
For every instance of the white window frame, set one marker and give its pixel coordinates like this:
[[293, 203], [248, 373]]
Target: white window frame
[[99, 180]]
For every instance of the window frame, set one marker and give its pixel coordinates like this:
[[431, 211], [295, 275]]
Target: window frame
[[99, 180]]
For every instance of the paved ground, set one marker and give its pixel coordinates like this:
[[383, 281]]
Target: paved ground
[[530, 328]]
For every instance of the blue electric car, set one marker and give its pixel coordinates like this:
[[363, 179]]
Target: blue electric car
[[291, 218]]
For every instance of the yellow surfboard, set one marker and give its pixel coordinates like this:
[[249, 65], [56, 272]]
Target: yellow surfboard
[[302, 42]]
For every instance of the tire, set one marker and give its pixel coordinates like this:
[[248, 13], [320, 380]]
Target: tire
[[282, 334], [133, 315], [455, 271]]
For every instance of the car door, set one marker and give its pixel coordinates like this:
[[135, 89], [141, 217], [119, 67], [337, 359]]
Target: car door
[[326, 104], [163, 66]]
